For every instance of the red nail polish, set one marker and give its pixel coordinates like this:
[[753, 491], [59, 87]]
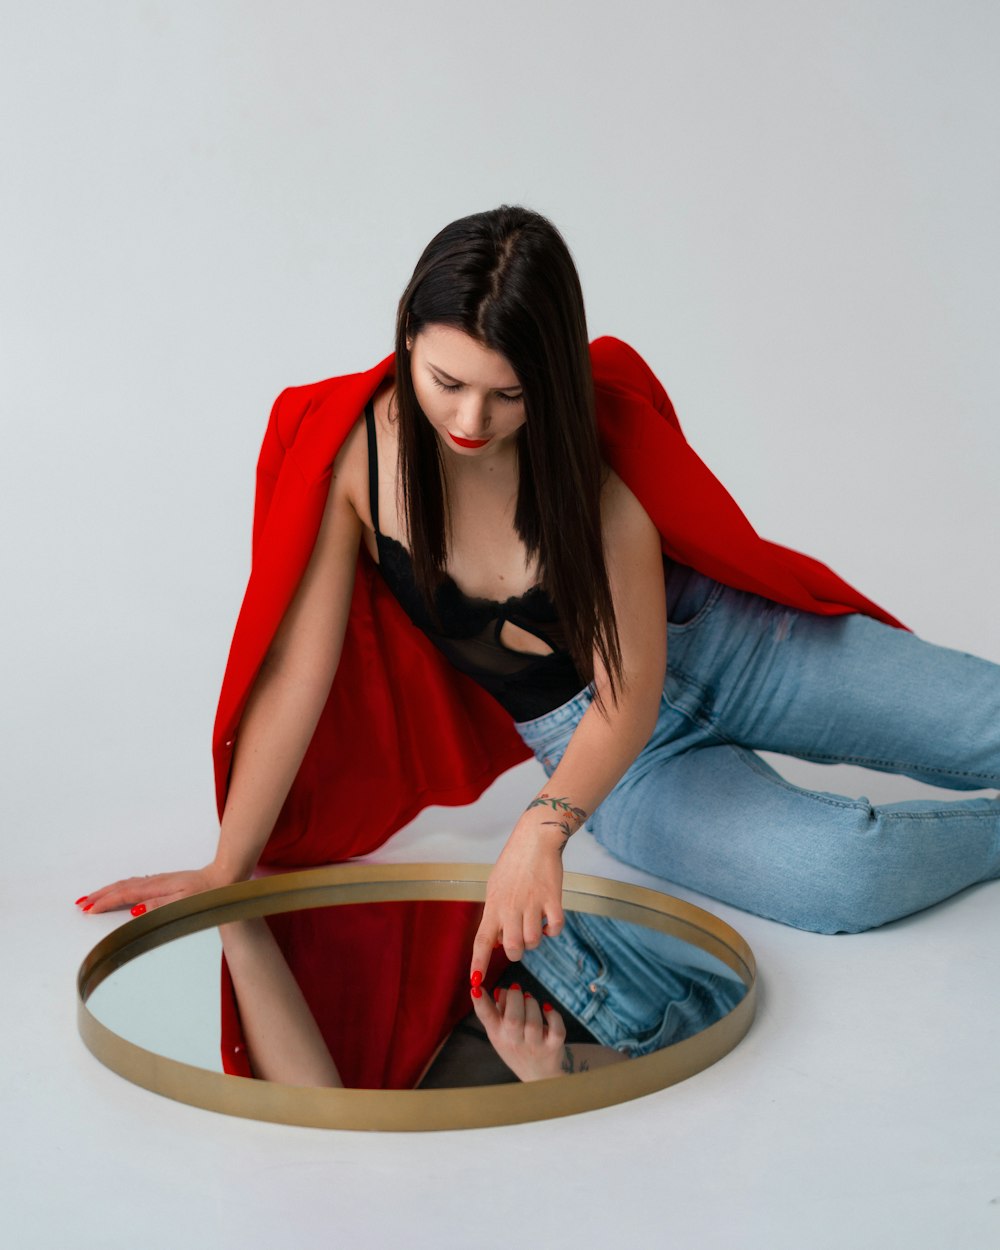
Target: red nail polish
[[88, 907], [82, 899], [476, 992], [498, 946], [526, 995], [515, 986], [496, 994], [139, 909], [477, 977], [546, 1006]]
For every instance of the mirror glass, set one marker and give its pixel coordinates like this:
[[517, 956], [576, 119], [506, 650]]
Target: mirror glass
[[340, 997], [296, 997]]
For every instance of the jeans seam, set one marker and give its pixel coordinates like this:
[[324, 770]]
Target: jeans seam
[[896, 766], [947, 811], [749, 760]]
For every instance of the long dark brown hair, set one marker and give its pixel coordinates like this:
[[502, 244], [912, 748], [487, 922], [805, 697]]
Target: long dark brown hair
[[506, 278]]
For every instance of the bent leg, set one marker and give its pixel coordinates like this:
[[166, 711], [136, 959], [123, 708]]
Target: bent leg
[[842, 689], [720, 820], [699, 808]]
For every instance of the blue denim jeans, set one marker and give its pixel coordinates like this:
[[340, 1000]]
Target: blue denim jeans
[[635, 989], [701, 809]]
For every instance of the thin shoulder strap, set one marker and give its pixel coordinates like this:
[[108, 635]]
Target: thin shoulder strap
[[372, 463]]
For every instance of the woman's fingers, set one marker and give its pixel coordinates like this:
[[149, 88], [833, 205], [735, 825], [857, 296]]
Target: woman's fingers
[[487, 1011], [531, 928], [528, 1036], [148, 892], [483, 945], [555, 1032], [555, 918], [513, 1012], [534, 1025], [517, 931], [140, 909], [535, 923], [123, 893]]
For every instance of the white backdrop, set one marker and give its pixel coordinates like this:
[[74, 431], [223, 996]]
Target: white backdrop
[[791, 210]]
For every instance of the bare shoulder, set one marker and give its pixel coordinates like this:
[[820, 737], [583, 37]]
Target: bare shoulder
[[623, 518], [349, 483], [350, 468]]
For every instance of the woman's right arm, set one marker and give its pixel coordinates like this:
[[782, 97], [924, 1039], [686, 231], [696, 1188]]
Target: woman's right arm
[[280, 716]]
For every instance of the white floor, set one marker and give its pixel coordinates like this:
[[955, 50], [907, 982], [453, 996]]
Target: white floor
[[861, 1111]]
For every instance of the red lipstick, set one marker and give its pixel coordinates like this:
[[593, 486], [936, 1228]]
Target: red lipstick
[[468, 442]]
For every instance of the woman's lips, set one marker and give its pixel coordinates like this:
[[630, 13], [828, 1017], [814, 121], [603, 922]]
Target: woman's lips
[[468, 442]]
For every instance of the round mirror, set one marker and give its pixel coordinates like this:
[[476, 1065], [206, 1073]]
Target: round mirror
[[339, 997]]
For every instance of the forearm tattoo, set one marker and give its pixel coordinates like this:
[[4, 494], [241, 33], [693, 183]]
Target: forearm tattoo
[[569, 1063], [570, 818]]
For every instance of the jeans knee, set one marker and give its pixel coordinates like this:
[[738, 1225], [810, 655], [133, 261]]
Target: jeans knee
[[847, 899]]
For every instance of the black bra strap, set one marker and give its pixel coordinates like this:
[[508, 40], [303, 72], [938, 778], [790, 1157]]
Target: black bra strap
[[372, 464]]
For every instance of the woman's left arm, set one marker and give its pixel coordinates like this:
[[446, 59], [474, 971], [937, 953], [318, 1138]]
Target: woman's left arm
[[284, 1042], [525, 887]]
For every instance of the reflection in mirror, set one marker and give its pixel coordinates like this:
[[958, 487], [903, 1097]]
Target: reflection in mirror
[[376, 996]]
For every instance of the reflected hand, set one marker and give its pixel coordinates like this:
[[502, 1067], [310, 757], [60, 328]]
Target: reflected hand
[[523, 894], [529, 1039], [154, 891]]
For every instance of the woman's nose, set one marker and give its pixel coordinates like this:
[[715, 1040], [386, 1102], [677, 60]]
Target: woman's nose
[[473, 418]]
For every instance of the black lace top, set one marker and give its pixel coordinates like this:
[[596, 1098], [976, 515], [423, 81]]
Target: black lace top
[[468, 629]]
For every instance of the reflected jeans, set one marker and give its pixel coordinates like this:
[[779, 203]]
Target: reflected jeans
[[701, 809], [634, 988]]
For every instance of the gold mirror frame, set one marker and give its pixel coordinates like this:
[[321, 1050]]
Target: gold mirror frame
[[417, 1109]]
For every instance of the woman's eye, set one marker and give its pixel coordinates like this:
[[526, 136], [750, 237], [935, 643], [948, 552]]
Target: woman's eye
[[457, 386]]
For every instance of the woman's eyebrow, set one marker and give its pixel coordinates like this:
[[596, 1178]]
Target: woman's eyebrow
[[514, 386]]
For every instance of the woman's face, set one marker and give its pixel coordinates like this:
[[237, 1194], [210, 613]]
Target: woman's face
[[469, 394]]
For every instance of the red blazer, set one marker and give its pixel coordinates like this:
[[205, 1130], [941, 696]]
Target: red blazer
[[402, 729]]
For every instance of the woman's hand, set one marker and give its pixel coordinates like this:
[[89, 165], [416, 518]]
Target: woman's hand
[[150, 892], [529, 1038], [532, 1041], [524, 891]]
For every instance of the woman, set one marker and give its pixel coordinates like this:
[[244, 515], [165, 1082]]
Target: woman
[[524, 525]]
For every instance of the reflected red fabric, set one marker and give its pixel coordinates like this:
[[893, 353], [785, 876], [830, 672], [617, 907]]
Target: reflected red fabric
[[401, 729], [386, 983]]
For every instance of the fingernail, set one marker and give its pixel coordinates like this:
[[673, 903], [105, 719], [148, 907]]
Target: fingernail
[[139, 909], [476, 992], [496, 994], [88, 907], [526, 995], [82, 899], [477, 977], [546, 1006], [515, 985]]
